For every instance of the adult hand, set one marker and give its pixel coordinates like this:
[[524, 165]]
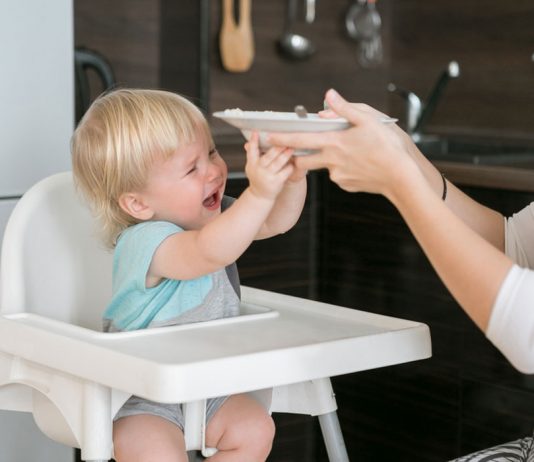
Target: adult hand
[[368, 157]]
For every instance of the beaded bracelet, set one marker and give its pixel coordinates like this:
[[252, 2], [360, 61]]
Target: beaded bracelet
[[444, 195]]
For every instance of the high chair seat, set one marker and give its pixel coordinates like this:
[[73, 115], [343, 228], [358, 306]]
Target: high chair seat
[[54, 362]]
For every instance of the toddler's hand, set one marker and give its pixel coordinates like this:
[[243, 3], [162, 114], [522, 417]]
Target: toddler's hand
[[267, 172]]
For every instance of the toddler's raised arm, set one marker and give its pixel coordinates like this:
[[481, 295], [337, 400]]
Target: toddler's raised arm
[[190, 254]]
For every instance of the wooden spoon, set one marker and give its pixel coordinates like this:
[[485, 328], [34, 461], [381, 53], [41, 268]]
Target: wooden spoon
[[236, 42]]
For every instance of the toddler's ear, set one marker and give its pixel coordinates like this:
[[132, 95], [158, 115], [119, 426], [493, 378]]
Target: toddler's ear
[[134, 205]]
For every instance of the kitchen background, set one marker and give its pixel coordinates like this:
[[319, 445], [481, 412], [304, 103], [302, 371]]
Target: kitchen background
[[351, 250]]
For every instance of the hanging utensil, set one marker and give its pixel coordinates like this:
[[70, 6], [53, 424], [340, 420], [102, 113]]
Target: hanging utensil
[[292, 45], [236, 42], [371, 52], [363, 24], [352, 19], [362, 20], [310, 11]]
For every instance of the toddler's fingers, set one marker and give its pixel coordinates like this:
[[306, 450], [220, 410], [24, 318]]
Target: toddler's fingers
[[284, 157], [272, 153], [252, 147], [286, 172]]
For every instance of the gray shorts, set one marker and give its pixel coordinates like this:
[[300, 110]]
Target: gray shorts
[[171, 412]]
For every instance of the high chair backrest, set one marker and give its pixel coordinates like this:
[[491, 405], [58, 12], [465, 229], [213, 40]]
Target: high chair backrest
[[53, 263]]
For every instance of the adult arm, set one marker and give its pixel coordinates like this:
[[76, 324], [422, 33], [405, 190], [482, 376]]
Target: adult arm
[[461, 239], [470, 267], [483, 220]]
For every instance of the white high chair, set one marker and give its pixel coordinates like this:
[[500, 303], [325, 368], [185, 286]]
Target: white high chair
[[54, 362]]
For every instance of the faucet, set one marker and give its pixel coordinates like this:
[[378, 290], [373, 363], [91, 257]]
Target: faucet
[[417, 113]]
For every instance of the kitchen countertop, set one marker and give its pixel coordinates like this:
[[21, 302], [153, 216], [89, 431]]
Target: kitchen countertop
[[483, 159], [486, 176]]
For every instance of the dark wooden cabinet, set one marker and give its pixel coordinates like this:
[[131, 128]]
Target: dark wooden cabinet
[[466, 397]]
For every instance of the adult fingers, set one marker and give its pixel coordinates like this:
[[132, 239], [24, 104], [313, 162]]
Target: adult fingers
[[286, 172], [327, 114], [311, 162], [281, 160], [271, 155], [345, 109], [296, 140]]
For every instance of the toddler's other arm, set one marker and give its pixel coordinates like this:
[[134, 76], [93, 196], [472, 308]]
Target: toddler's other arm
[[289, 203]]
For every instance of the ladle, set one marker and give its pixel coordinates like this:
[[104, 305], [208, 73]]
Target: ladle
[[292, 45]]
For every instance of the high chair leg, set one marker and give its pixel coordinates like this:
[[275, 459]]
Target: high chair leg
[[195, 427], [97, 426], [78, 458], [333, 438]]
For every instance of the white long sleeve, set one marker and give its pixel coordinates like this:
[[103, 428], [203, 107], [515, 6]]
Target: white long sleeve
[[511, 325], [519, 237]]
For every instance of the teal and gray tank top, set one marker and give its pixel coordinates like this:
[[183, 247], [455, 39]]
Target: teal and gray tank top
[[134, 306]]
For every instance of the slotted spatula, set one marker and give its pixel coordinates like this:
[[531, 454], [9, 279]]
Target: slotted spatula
[[236, 42]]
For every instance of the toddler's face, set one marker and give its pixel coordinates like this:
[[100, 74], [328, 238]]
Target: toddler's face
[[187, 188]]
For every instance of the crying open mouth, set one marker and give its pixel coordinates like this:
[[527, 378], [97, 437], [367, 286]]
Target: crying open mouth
[[210, 201]]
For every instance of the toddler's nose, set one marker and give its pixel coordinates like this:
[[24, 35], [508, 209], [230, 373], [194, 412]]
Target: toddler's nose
[[213, 172]]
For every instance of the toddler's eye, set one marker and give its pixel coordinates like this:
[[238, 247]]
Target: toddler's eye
[[192, 170], [212, 152]]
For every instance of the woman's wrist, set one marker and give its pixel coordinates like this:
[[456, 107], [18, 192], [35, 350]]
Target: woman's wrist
[[434, 177], [405, 181]]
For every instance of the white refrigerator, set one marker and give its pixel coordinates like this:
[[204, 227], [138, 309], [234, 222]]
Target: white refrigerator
[[36, 122]]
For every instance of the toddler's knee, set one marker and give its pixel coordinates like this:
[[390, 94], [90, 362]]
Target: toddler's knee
[[260, 436], [121, 446], [268, 428]]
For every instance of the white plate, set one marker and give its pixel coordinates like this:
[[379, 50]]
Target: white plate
[[271, 121]]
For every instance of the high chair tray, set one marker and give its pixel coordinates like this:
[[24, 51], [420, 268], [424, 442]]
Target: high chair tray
[[278, 340]]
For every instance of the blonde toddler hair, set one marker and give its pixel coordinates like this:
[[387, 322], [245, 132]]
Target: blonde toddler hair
[[118, 140]]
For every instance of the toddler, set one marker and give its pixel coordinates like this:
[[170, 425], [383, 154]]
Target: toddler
[[146, 161]]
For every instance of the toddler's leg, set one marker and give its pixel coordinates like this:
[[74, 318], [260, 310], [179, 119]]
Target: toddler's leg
[[148, 438], [241, 430]]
